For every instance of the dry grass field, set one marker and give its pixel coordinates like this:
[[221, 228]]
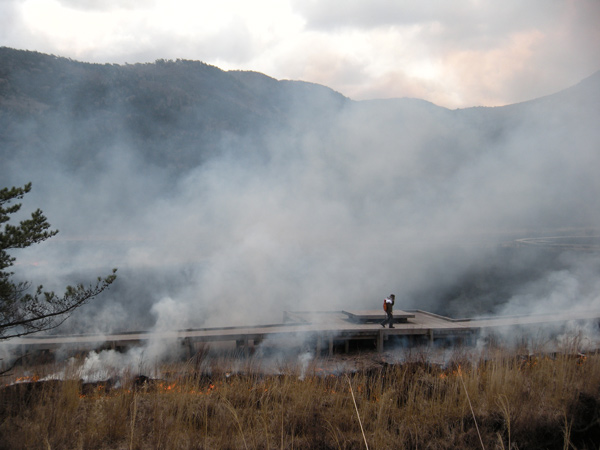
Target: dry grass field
[[497, 399]]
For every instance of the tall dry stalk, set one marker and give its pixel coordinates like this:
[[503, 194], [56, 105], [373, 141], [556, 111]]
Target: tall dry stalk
[[331, 428], [567, 432], [470, 406], [357, 413], [234, 413], [505, 409], [133, 416]]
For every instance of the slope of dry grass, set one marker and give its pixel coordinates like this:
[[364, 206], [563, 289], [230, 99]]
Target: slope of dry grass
[[496, 401]]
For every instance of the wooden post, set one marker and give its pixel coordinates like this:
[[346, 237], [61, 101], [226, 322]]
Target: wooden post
[[318, 350], [380, 341], [243, 343], [187, 342], [330, 345], [246, 346]]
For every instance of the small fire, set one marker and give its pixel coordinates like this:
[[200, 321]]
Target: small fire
[[27, 379], [169, 387], [456, 372]]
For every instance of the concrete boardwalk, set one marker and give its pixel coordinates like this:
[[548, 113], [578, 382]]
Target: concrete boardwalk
[[321, 329]]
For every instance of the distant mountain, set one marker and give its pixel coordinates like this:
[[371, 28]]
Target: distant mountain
[[175, 112], [178, 113]]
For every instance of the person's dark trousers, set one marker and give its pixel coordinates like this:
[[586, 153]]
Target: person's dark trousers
[[389, 320]]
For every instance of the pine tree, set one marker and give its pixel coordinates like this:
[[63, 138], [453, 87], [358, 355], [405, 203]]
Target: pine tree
[[22, 312]]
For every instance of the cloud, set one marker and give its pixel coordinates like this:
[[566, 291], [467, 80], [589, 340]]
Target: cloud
[[107, 5], [454, 54], [465, 18], [8, 18]]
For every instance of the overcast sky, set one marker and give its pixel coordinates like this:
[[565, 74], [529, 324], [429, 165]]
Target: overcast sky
[[454, 53]]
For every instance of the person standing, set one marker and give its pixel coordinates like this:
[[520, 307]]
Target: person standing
[[389, 307]]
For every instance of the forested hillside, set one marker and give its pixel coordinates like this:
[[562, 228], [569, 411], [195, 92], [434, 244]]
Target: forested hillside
[[176, 113]]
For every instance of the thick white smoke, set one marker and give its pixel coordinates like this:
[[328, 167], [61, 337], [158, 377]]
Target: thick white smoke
[[396, 196]]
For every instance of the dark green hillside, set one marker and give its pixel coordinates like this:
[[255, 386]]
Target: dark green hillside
[[175, 113]]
